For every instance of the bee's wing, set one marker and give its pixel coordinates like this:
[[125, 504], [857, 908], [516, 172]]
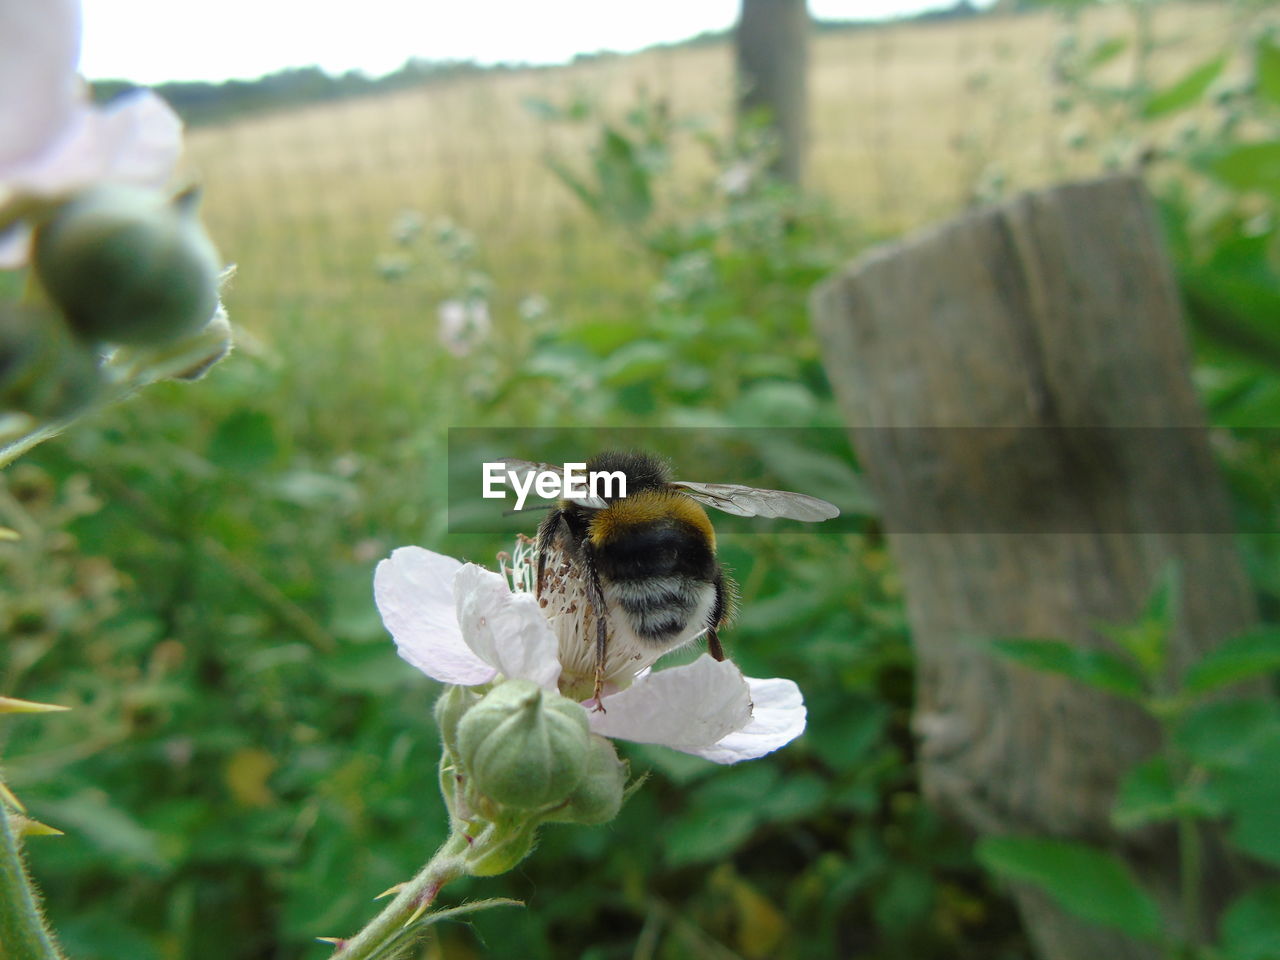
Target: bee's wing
[[523, 468], [753, 502]]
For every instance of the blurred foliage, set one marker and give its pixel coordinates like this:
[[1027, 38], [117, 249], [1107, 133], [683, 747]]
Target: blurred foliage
[[248, 763], [1218, 763]]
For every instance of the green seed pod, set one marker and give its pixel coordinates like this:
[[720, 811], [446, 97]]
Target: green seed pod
[[522, 746], [129, 266], [44, 371], [598, 797]]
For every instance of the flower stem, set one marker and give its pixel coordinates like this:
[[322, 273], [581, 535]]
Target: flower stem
[[1189, 868], [23, 933], [383, 930]]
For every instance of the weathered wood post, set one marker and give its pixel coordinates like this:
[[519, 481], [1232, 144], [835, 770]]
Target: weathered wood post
[[996, 373], [771, 45]]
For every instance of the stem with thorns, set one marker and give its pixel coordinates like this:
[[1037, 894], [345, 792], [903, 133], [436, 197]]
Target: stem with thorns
[[23, 933], [410, 903]]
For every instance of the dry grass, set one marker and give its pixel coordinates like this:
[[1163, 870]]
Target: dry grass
[[905, 120]]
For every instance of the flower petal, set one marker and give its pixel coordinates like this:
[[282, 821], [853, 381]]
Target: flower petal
[[690, 708], [505, 629], [777, 718], [136, 139], [39, 90], [140, 138], [414, 592]]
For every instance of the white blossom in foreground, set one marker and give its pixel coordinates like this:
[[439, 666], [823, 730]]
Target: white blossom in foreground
[[53, 140], [461, 624]]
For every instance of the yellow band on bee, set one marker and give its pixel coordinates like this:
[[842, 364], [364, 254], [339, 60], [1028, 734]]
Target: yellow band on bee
[[648, 506]]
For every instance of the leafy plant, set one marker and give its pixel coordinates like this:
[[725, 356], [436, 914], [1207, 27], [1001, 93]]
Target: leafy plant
[[1217, 763]]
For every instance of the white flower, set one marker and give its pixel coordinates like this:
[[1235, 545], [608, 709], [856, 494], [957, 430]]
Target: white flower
[[463, 325], [52, 139], [459, 623], [737, 178]]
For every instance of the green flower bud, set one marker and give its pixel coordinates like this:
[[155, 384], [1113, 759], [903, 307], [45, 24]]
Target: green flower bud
[[522, 746], [503, 850], [598, 797], [449, 708], [130, 266], [44, 371]]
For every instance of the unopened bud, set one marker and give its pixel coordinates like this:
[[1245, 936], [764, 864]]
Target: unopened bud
[[44, 371], [453, 703], [598, 796], [523, 746], [504, 850], [130, 266]]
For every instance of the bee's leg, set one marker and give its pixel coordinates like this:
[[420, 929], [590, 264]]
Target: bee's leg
[[713, 644], [595, 596], [547, 531], [717, 616]]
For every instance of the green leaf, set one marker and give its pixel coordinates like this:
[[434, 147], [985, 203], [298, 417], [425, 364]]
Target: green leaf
[[1234, 310], [1252, 794], [1147, 795], [797, 797], [853, 725], [91, 816], [1225, 734], [1246, 166], [244, 442], [1092, 884], [314, 490], [905, 900], [1267, 69], [590, 199], [1097, 668], [1185, 91], [1251, 925], [1251, 655], [1106, 51], [635, 362], [725, 810], [707, 835], [1147, 641], [624, 182]]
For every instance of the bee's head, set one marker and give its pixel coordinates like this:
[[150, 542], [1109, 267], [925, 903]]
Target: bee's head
[[644, 471]]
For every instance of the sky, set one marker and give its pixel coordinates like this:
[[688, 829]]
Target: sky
[[151, 41]]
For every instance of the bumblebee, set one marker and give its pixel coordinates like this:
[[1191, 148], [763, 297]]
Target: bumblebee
[[648, 560]]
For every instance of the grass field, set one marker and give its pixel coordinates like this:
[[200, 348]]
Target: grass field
[[906, 122]]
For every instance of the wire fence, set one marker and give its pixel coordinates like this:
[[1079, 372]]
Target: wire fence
[[908, 123]]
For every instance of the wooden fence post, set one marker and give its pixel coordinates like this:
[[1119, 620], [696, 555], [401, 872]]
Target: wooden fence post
[[771, 45], [996, 373]]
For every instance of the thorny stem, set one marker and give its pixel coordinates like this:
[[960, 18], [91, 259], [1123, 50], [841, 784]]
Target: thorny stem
[[23, 933], [447, 864]]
